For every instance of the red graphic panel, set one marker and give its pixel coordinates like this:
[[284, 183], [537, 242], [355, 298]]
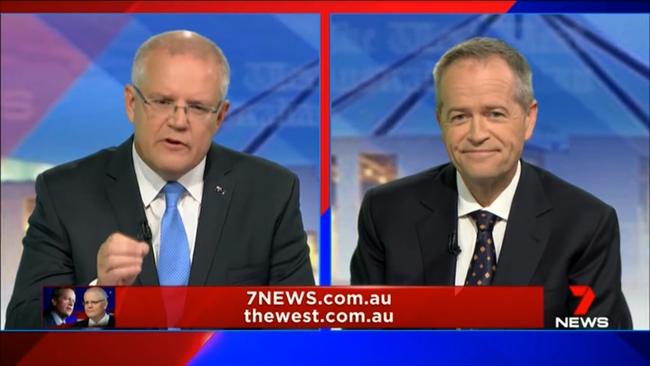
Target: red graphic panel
[[101, 348]]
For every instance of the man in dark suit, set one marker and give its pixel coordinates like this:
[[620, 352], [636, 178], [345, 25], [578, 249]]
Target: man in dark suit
[[95, 305], [488, 218], [168, 206], [61, 307]]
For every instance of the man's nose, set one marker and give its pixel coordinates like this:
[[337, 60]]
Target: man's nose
[[180, 117], [478, 130]]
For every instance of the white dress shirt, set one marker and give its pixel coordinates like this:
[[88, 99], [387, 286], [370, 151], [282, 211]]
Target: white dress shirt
[[153, 199], [57, 319], [101, 323], [467, 230]]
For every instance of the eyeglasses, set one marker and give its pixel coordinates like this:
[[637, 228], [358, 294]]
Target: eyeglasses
[[165, 107], [94, 302]]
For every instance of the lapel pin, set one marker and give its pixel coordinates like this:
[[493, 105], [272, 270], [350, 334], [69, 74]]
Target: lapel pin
[[220, 190]]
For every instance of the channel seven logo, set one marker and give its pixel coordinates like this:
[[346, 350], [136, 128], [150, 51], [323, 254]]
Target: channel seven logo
[[579, 320]]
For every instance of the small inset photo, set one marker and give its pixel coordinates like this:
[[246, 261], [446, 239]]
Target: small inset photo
[[78, 307]]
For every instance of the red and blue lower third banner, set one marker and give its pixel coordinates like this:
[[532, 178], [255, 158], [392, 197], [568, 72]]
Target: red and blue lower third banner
[[328, 307]]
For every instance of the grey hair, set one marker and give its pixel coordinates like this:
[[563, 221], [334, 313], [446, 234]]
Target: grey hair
[[483, 48], [101, 291], [181, 42], [58, 292]]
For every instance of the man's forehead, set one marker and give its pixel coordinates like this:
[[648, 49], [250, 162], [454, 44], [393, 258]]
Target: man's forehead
[[476, 64], [67, 292], [174, 67], [477, 78], [92, 293], [160, 55]]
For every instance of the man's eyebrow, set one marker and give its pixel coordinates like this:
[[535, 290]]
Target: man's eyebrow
[[156, 95], [494, 106], [160, 95], [456, 109], [196, 101]]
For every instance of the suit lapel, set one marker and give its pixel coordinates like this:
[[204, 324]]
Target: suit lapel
[[124, 196], [218, 190], [439, 197], [527, 232]]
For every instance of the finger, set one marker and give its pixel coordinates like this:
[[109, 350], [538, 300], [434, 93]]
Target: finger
[[119, 237], [119, 244], [124, 275], [144, 248], [113, 262], [136, 249]]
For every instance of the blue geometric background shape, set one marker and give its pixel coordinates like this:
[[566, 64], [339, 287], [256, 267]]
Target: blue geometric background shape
[[262, 49]]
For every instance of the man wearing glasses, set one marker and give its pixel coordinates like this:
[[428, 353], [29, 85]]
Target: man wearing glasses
[[168, 206], [95, 305]]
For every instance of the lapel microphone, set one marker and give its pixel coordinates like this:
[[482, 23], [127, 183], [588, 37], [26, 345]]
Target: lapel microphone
[[452, 245], [145, 231]]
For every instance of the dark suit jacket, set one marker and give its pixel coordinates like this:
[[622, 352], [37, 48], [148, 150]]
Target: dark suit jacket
[[84, 323], [48, 320], [557, 235], [249, 232]]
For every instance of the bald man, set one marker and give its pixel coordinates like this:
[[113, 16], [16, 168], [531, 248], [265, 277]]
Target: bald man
[[95, 305], [168, 206]]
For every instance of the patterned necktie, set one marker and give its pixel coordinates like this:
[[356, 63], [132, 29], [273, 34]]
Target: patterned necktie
[[174, 258], [484, 260]]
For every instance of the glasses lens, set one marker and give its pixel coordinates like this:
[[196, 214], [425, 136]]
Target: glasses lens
[[199, 113], [167, 107]]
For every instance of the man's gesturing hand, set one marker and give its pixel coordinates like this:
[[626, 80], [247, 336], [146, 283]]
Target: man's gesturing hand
[[119, 260]]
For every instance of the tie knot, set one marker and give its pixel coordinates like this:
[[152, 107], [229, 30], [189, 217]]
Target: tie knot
[[173, 191], [484, 220]]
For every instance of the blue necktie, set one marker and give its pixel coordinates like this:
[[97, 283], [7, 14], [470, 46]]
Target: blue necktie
[[484, 260], [174, 258]]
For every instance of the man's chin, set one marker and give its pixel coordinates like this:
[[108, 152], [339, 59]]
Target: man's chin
[[171, 173], [483, 175]]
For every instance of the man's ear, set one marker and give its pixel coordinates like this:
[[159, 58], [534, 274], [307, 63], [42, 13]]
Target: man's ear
[[129, 102], [221, 114]]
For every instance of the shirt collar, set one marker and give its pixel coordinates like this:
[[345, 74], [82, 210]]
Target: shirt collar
[[102, 322], [150, 183], [58, 320], [501, 205]]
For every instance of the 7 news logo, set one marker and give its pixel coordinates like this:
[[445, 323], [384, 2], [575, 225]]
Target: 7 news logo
[[580, 320]]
